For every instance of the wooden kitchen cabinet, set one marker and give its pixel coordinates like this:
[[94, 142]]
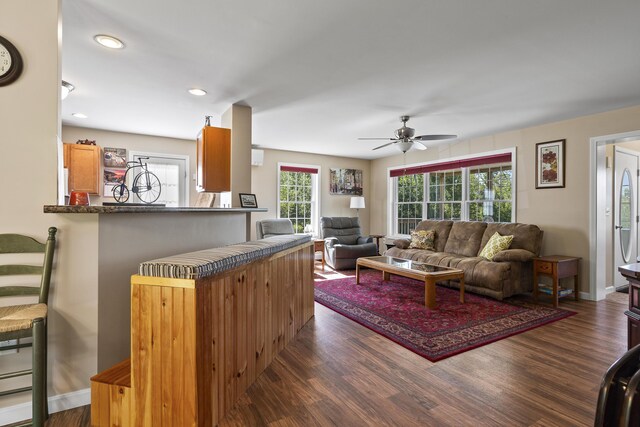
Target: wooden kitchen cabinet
[[83, 162], [213, 164]]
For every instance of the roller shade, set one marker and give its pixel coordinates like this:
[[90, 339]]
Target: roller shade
[[455, 164], [298, 169]]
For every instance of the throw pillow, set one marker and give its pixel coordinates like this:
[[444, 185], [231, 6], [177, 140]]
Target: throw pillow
[[495, 244], [423, 240]]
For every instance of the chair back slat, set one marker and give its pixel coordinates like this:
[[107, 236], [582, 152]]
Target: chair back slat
[[16, 269], [15, 291], [15, 244]]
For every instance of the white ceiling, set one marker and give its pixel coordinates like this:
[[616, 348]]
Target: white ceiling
[[320, 74]]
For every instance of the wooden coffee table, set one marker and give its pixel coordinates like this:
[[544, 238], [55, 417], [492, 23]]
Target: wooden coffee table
[[430, 274]]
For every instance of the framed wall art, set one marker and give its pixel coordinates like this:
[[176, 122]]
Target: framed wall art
[[345, 181], [550, 164], [248, 200]]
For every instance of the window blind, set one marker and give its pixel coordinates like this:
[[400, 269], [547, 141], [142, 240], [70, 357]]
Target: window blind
[[298, 169], [455, 164]]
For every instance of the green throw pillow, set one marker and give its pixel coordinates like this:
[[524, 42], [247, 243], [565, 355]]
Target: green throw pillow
[[423, 240], [495, 244]]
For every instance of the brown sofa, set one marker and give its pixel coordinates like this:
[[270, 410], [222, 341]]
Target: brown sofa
[[458, 244]]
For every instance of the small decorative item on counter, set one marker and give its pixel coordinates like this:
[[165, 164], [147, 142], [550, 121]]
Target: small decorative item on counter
[[86, 142], [79, 198]]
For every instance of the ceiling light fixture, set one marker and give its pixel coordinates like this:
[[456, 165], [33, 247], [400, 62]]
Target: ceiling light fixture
[[404, 146], [79, 115], [65, 89], [197, 92], [108, 41]]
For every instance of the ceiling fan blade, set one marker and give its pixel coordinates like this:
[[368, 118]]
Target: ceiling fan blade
[[434, 137], [383, 145], [371, 139], [419, 145]]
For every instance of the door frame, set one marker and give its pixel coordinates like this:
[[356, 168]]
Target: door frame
[[616, 206], [598, 289], [184, 157]]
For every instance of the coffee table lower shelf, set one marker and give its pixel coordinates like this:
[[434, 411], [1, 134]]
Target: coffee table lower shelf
[[429, 277]]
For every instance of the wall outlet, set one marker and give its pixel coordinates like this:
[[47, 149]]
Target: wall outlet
[[6, 344]]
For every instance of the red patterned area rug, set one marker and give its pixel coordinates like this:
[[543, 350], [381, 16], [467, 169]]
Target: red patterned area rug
[[395, 309]]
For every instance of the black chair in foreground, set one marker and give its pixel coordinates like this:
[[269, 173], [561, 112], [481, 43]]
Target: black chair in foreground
[[619, 396]]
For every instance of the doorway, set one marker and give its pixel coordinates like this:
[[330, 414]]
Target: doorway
[[625, 211], [608, 210], [172, 170]]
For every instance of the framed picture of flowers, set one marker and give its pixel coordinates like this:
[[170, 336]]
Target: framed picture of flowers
[[550, 164]]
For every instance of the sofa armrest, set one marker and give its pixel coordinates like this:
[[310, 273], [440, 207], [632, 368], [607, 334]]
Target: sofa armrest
[[365, 239], [402, 243], [521, 255], [329, 242]]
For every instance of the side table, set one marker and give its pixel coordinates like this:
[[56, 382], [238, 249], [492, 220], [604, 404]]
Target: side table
[[318, 245], [377, 237], [557, 267]]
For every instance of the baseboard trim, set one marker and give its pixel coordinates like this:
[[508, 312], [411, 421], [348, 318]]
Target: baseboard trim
[[61, 402]]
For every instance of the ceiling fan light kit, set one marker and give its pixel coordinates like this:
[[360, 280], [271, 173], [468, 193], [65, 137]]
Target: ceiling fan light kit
[[405, 140]]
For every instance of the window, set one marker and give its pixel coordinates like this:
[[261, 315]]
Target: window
[[490, 194], [298, 196], [172, 170], [410, 196], [478, 188], [445, 195]]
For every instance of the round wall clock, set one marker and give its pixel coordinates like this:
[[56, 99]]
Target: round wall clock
[[10, 62]]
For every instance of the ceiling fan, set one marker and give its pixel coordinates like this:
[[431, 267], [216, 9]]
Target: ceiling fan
[[405, 140]]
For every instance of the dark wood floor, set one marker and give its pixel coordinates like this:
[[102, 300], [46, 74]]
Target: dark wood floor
[[340, 373]]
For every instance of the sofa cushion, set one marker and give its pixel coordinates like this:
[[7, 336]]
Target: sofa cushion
[[496, 243], [402, 243], [441, 228], [465, 237], [516, 255], [421, 239], [525, 236]]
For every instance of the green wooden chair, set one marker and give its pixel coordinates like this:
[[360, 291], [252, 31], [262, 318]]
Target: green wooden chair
[[28, 320]]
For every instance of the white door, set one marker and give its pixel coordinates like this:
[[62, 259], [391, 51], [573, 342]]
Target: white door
[[172, 172], [625, 211]]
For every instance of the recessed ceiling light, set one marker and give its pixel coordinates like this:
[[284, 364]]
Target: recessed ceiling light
[[79, 115], [108, 41], [65, 89], [197, 92]]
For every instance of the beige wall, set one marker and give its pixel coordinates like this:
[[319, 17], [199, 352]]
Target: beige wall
[[137, 142], [29, 120], [562, 213], [238, 119], [264, 183]]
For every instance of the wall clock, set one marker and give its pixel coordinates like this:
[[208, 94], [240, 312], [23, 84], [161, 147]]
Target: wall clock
[[10, 62]]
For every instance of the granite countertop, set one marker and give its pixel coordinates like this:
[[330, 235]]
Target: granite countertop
[[140, 209]]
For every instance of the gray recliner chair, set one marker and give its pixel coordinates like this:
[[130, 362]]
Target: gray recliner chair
[[273, 227], [344, 243]]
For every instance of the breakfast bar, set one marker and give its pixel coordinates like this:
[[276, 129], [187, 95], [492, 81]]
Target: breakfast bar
[[204, 325], [121, 237]]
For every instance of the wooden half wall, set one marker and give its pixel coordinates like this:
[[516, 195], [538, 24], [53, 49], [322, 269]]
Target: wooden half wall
[[197, 345]]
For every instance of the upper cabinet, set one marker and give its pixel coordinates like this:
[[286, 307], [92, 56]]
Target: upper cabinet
[[213, 151], [83, 162]]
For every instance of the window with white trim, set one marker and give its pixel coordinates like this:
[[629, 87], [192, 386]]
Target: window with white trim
[[298, 196], [476, 188]]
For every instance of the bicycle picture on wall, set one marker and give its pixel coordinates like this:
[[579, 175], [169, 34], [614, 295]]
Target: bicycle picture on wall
[[146, 185]]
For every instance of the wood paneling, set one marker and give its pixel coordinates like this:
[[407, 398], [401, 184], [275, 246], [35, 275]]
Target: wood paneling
[[111, 396], [196, 349]]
